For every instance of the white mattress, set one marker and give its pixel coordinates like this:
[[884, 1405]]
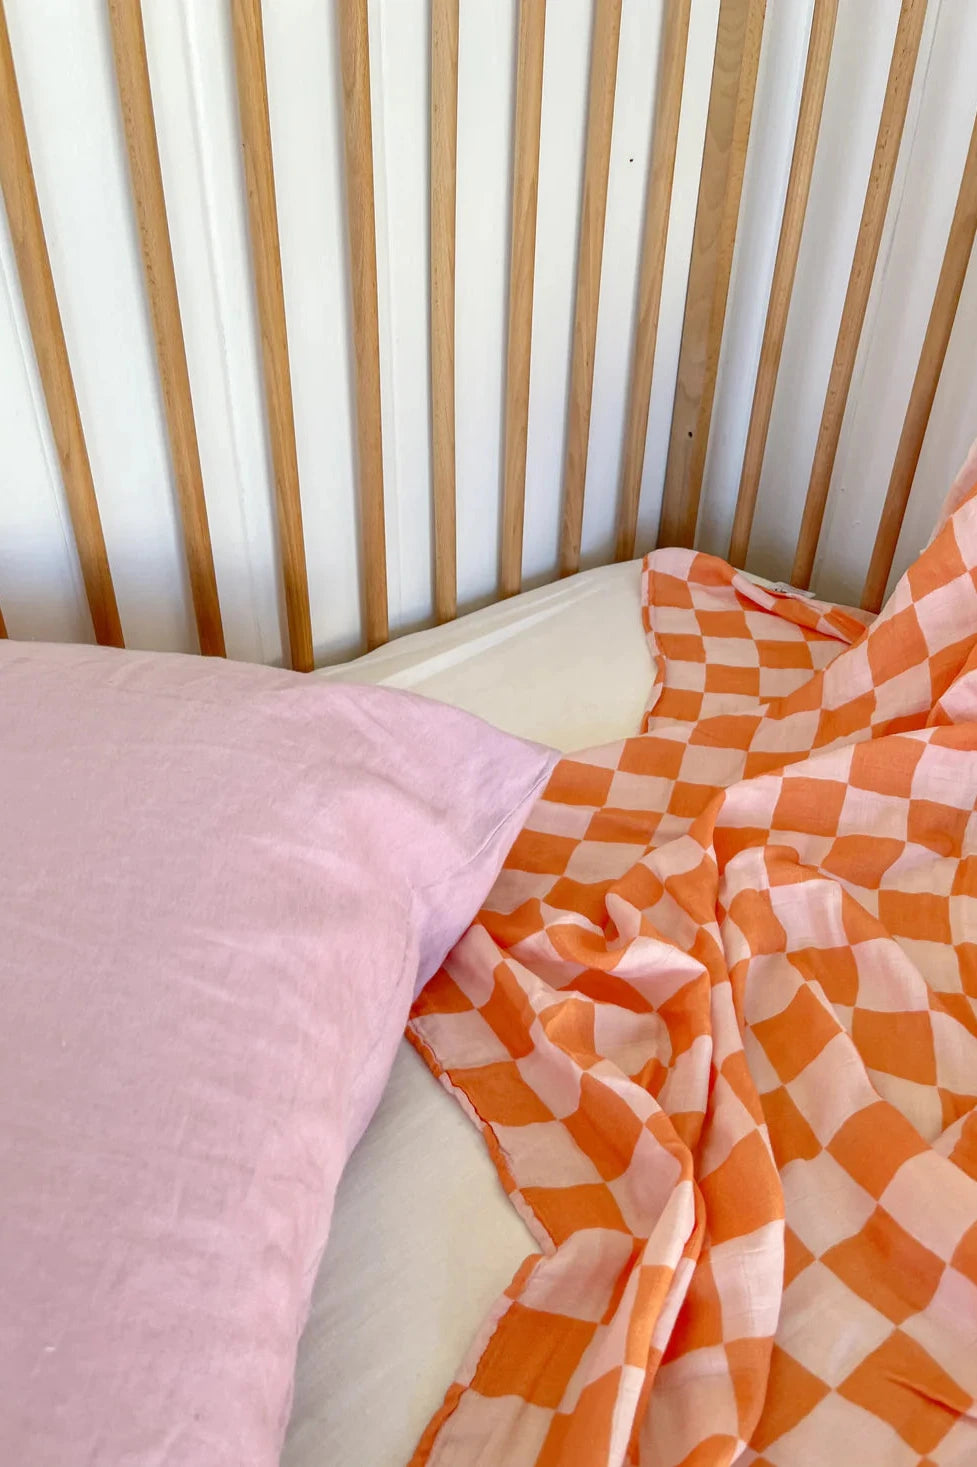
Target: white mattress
[[423, 1239]]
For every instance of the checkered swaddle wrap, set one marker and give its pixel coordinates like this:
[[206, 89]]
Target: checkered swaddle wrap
[[718, 1024]]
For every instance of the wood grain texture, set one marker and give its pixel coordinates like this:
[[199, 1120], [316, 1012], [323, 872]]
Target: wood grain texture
[[785, 268], [898, 86], [360, 214], [600, 120], [135, 97], [734, 74], [51, 352], [259, 177], [522, 270], [944, 309], [444, 153], [668, 109]]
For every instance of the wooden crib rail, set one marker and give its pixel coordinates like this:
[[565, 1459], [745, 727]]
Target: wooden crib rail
[[51, 352], [733, 88], [898, 87], [135, 96], [259, 176], [522, 268], [600, 122], [360, 214], [661, 172], [444, 181], [734, 78], [955, 261], [785, 267]]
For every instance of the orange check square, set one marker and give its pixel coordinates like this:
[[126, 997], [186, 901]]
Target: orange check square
[[575, 783], [723, 623], [887, 1267], [862, 860], [903, 1385], [744, 681], [509, 1013], [753, 914], [834, 968], [730, 842], [790, 1135], [941, 828], [886, 766], [628, 827], [499, 1093], [650, 755], [841, 723], [809, 806], [896, 1043], [873, 1144], [743, 1192], [679, 704], [760, 761], [566, 1210], [540, 853], [782, 655], [797, 1035], [605, 1127], [670, 591], [689, 800], [941, 564], [532, 1354], [894, 644], [589, 898], [793, 1391], [946, 665], [680, 647], [923, 915], [583, 1434]]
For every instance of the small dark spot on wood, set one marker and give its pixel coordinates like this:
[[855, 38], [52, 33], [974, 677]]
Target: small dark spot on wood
[[690, 432]]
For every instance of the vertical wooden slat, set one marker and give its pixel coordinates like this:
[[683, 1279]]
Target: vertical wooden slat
[[600, 119], [730, 113], [668, 109], [444, 151], [51, 352], [522, 269], [3, 626], [955, 261], [259, 176], [355, 48], [897, 90], [785, 267], [132, 76]]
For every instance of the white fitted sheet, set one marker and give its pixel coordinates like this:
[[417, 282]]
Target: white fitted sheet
[[423, 1239]]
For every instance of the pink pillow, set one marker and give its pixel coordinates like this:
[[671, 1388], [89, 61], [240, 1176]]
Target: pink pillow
[[221, 886]]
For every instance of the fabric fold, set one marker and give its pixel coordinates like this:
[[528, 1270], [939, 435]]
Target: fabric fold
[[718, 1024]]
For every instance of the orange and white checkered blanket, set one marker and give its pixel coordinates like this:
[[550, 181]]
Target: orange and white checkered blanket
[[718, 1024]]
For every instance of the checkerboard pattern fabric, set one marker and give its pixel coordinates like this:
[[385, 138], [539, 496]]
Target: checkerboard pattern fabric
[[718, 1025]]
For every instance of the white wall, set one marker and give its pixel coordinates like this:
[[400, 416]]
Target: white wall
[[63, 56]]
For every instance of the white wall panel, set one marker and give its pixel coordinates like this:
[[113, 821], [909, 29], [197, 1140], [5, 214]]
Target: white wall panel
[[63, 56], [195, 103], [486, 82]]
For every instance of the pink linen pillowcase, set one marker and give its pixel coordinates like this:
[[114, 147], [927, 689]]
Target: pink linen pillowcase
[[221, 886]]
